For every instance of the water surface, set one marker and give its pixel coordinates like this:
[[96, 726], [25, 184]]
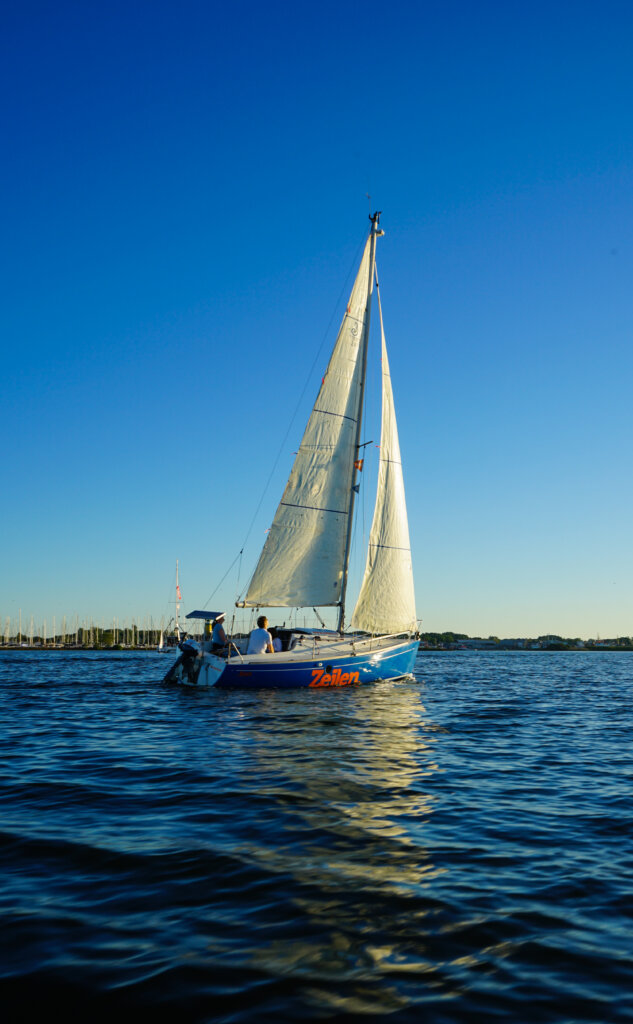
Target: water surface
[[454, 848]]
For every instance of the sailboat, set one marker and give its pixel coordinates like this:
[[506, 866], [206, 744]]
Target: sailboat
[[170, 638], [305, 559]]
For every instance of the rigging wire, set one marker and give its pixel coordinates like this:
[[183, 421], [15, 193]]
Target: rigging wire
[[238, 555]]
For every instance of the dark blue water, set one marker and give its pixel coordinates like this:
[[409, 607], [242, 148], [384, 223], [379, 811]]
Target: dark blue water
[[458, 848]]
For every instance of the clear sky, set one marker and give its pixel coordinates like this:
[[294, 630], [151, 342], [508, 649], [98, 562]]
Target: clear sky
[[184, 195]]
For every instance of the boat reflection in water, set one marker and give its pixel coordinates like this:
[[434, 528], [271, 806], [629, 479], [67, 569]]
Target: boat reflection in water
[[352, 856]]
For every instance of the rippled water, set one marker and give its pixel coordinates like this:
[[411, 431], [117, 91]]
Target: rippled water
[[458, 848]]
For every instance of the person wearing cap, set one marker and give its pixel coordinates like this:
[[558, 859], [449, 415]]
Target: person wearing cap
[[218, 636]]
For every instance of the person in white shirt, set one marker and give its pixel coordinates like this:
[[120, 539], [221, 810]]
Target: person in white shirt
[[276, 640], [260, 640]]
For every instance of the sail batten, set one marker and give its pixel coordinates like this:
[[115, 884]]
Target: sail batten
[[317, 508], [392, 547]]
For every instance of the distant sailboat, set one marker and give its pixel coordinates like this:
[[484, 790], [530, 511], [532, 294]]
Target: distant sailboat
[[305, 559], [178, 600], [172, 635]]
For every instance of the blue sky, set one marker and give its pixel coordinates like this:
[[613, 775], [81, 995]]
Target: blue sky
[[184, 198]]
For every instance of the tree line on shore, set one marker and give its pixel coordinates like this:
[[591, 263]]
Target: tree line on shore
[[96, 637], [552, 642]]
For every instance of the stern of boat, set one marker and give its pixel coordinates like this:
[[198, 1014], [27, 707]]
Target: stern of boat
[[196, 668]]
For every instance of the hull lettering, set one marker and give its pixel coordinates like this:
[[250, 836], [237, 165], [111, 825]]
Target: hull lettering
[[335, 678]]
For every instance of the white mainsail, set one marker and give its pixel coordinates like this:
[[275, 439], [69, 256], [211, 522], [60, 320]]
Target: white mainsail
[[302, 561], [386, 603]]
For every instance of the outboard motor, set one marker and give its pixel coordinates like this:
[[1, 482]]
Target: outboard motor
[[191, 659], [189, 663]]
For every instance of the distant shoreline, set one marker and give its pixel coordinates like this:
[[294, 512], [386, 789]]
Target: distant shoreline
[[524, 650], [553, 649], [39, 649]]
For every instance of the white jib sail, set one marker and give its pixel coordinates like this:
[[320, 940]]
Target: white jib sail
[[386, 603], [301, 564]]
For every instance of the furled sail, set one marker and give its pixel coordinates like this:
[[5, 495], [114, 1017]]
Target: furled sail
[[301, 564], [386, 603]]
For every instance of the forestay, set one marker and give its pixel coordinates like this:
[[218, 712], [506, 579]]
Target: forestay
[[386, 603], [301, 564]]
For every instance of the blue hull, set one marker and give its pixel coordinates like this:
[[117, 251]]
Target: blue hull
[[351, 670]]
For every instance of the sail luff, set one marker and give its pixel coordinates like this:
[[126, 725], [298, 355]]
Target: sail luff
[[386, 603], [301, 564]]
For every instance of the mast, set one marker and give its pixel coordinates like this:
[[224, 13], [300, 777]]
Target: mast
[[375, 219], [177, 604]]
